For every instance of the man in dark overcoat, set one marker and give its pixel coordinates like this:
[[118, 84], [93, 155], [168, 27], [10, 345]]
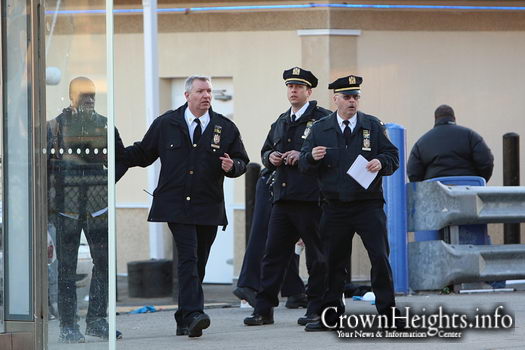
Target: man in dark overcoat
[[197, 149]]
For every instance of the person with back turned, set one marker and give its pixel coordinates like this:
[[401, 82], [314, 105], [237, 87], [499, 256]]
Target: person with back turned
[[449, 150], [331, 148]]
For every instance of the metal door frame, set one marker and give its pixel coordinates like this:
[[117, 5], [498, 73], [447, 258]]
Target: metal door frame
[[32, 331]]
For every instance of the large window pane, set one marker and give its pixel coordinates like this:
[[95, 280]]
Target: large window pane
[[77, 125], [17, 163]]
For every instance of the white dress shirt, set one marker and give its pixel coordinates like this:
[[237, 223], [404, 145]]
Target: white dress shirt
[[190, 118], [300, 112], [351, 125]]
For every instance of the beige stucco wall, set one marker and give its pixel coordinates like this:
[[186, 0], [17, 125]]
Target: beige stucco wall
[[411, 62], [408, 74]]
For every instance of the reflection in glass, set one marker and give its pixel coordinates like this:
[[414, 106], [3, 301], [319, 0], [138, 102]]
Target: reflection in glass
[[77, 201]]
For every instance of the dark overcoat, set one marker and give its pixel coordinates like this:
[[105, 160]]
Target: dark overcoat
[[449, 150], [368, 139], [190, 187], [289, 183]]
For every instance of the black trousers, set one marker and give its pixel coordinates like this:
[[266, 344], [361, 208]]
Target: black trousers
[[250, 275], [290, 221], [68, 240], [193, 244], [339, 222]]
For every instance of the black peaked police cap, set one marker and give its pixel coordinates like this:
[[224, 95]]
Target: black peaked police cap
[[350, 85], [299, 76]]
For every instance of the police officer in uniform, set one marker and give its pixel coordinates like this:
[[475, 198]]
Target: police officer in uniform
[[197, 149], [250, 277], [295, 212], [330, 149]]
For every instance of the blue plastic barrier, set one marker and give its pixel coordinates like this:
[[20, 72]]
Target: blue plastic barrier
[[396, 211], [468, 234]]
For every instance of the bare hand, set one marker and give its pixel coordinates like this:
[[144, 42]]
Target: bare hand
[[374, 165], [291, 157], [318, 152], [227, 162], [276, 158]]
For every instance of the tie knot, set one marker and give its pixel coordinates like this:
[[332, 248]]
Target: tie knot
[[293, 117], [346, 122], [197, 120]]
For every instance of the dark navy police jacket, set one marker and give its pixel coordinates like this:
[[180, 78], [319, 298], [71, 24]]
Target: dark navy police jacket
[[289, 183], [190, 187], [335, 183]]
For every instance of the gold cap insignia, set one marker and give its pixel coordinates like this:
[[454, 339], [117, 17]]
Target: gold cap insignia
[[296, 71], [351, 80]]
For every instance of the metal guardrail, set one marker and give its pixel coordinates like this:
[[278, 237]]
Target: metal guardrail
[[434, 265], [432, 205]]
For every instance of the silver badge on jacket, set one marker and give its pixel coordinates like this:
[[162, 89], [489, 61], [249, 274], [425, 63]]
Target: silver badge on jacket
[[217, 130], [366, 140], [307, 129]]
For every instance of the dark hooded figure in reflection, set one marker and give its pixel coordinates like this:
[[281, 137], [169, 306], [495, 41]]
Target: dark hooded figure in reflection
[[77, 197]]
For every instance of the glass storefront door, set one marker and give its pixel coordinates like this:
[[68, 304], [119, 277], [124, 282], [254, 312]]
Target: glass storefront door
[[22, 173], [77, 98], [55, 231]]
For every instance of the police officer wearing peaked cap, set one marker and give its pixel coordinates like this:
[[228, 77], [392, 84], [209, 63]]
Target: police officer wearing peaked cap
[[295, 213], [300, 76], [331, 148]]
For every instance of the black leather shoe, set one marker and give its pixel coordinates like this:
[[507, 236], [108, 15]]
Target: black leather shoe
[[258, 320], [296, 301], [199, 322], [182, 330], [246, 293], [303, 321], [316, 327]]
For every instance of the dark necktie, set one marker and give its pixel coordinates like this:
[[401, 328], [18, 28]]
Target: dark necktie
[[293, 118], [197, 132], [347, 132]]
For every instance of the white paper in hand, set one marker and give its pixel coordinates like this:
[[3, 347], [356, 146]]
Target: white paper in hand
[[359, 172]]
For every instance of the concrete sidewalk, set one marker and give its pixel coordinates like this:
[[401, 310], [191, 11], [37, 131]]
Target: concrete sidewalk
[[227, 331], [157, 330]]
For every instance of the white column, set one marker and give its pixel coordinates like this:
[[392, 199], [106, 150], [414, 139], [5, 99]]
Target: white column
[[112, 237], [151, 71]]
